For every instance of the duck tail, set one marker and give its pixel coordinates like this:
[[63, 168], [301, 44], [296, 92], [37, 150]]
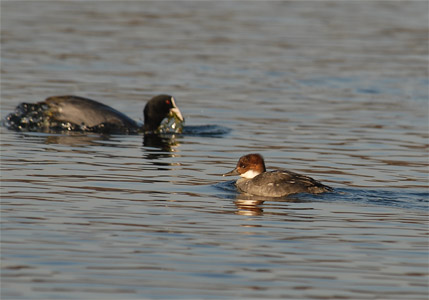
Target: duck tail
[[328, 188], [321, 188], [316, 187]]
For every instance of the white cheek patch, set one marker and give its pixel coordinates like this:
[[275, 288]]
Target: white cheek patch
[[249, 174]]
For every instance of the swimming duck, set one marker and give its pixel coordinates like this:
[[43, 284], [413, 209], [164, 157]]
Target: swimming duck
[[74, 113], [255, 180]]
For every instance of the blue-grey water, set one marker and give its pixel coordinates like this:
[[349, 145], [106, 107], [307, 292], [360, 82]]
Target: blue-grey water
[[335, 90]]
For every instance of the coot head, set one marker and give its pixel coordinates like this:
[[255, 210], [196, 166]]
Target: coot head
[[157, 109]]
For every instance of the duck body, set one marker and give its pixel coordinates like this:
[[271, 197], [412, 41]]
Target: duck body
[[74, 113], [257, 181], [280, 184]]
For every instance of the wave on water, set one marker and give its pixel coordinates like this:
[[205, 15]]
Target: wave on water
[[206, 130], [416, 200]]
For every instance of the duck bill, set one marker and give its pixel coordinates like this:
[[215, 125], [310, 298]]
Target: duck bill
[[231, 173], [175, 112]]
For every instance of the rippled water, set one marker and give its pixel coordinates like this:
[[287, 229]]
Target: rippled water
[[337, 91]]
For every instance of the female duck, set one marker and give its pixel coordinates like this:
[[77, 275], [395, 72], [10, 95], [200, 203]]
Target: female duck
[[73, 113], [256, 181]]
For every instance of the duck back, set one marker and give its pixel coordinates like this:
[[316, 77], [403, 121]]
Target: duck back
[[281, 183]]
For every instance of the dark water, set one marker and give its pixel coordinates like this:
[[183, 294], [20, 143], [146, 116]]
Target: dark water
[[337, 91]]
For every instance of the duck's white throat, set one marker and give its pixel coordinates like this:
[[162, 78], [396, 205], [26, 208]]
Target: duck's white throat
[[249, 174]]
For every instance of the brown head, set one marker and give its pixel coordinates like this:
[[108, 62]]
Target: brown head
[[248, 166]]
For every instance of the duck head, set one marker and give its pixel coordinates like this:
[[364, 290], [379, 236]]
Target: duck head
[[248, 166]]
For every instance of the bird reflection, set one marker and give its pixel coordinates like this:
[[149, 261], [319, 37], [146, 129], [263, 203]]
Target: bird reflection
[[248, 206], [70, 139], [156, 146], [163, 142]]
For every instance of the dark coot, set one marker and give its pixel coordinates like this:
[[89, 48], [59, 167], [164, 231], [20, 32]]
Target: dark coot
[[73, 113]]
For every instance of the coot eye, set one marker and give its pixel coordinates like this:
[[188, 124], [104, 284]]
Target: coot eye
[[168, 102]]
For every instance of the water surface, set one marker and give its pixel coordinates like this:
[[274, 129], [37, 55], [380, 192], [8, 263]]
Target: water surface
[[337, 91]]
